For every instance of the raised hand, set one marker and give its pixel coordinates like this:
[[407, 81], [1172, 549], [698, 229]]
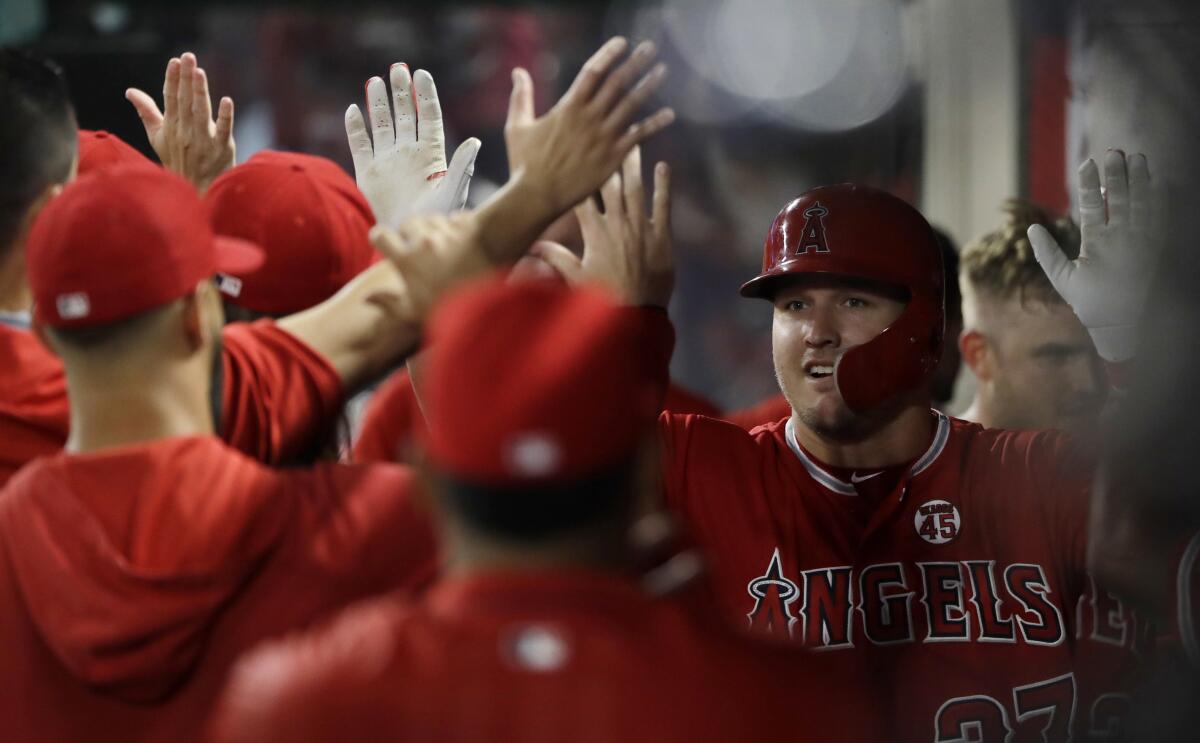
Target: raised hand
[[183, 134], [401, 167], [1107, 285], [568, 152], [625, 250]]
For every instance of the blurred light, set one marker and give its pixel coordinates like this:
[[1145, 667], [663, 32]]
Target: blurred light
[[109, 18], [814, 64], [869, 84]]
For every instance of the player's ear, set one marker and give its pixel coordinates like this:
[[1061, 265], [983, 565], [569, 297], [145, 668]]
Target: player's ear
[[976, 354], [48, 193]]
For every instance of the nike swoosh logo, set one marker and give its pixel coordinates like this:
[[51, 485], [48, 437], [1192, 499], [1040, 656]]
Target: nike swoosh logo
[[854, 478]]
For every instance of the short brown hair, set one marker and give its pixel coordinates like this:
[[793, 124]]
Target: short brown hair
[[1001, 263]]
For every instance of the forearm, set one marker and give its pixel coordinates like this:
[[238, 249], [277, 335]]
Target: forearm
[[363, 330], [512, 219]]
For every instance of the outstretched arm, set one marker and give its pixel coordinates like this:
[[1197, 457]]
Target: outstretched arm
[[374, 321], [566, 154], [183, 134]]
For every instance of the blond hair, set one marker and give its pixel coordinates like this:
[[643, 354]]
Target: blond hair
[[1000, 264]]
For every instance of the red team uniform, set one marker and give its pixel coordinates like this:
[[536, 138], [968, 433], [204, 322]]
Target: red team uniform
[[34, 416], [131, 579], [957, 580]]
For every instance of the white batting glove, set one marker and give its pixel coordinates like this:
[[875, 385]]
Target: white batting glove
[[403, 173], [1108, 283]]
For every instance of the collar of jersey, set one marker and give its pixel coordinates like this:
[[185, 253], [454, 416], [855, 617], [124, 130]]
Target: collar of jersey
[[18, 320], [844, 488]]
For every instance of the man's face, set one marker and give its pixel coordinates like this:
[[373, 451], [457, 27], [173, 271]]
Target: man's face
[[817, 319], [1045, 371]]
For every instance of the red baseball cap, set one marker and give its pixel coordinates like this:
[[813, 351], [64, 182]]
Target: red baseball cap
[[534, 383], [99, 149], [118, 242], [310, 219]]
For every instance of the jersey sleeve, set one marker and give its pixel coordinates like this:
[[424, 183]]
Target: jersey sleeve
[[388, 423], [658, 338], [1053, 473], [279, 398]]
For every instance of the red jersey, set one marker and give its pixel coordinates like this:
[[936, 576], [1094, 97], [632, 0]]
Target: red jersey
[[568, 656], [33, 397], [393, 411], [279, 398], [131, 579], [959, 580]]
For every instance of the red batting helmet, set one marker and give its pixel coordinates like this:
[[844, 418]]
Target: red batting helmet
[[865, 233]]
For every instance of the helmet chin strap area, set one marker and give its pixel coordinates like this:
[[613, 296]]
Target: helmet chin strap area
[[899, 360]]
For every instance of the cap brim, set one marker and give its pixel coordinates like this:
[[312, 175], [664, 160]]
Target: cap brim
[[766, 285], [236, 256]]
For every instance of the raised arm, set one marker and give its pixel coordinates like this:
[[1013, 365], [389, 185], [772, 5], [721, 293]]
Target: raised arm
[[401, 166], [374, 321], [565, 154], [562, 156], [183, 134], [625, 249]]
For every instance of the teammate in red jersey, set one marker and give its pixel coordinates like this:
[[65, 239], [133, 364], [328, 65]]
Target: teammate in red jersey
[[538, 632], [137, 565]]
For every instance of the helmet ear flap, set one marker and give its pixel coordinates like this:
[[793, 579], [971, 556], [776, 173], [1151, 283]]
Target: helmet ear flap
[[899, 360]]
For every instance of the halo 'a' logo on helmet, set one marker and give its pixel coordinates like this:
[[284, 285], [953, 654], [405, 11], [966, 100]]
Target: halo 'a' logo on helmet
[[812, 237]]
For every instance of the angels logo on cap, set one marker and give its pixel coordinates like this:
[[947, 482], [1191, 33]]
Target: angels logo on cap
[[937, 521], [813, 235]]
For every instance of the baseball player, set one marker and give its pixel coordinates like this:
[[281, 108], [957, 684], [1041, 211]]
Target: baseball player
[[1034, 361], [536, 455], [950, 557], [138, 564]]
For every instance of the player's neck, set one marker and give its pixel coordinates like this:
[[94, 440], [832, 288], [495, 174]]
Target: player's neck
[[15, 295], [109, 411], [900, 440]]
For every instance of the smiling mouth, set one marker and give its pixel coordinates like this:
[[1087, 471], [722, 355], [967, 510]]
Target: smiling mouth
[[818, 371]]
